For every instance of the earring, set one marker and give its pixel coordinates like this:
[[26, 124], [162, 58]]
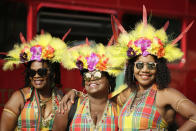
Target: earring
[[109, 89]]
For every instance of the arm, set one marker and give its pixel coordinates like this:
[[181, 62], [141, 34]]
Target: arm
[[183, 106], [69, 98], [123, 96], [61, 119], [11, 112]]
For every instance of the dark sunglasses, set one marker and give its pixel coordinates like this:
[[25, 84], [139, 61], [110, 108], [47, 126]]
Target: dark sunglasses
[[150, 65], [41, 72], [95, 74]]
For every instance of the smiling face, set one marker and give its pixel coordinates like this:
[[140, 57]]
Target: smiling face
[[39, 80], [96, 83], [146, 75]]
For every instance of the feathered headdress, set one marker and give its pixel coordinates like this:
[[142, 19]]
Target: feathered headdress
[[98, 57], [42, 47], [145, 39]]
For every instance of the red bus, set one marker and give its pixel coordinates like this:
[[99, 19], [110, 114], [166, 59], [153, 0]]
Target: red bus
[[91, 18]]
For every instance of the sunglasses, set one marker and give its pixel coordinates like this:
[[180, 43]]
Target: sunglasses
[[150, 65], [95, 74], [41, 72]]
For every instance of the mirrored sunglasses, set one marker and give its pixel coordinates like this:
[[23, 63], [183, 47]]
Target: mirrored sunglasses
[[95, 74], [150, 65], [41, 72]]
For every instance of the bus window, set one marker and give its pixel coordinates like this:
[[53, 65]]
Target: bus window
[[13, 17], [95, 26]]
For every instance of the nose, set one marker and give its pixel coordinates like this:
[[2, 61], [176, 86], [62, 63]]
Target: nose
[[145, 68], [92, 78], [37, 75]]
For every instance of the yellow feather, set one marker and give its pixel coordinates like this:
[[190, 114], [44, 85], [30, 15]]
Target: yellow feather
[[172, 53], [161, 34], [43, 39]]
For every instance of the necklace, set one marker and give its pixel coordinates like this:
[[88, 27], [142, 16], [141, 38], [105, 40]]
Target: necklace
[[138, 99], [46, 120], [43, 102]]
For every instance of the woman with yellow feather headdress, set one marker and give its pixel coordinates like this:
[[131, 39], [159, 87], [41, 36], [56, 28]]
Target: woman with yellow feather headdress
[[150, 104], [98, 66], [34, 106]]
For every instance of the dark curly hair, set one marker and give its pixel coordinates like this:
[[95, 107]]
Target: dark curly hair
[[162, 77], [111, 79], [54, 76]]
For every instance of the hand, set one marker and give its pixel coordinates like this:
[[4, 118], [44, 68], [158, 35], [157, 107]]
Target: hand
[[67, 101], [61, 120]]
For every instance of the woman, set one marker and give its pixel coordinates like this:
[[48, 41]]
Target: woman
[[95, 111], [151, 104], [34, 106]]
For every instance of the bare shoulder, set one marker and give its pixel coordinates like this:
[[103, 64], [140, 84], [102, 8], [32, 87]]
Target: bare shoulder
[[15, 102], [169, 96], [170, 92], [25, 90]]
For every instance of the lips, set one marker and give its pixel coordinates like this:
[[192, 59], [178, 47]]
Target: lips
[[145, 76], [38, 82], [93, 85]]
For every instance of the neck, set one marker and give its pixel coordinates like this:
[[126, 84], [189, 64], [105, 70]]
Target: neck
[[97, 106], [142, 88], [97, 101], [45, 93]]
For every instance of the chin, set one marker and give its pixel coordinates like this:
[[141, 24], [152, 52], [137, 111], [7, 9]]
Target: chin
[[146, 83], [38, 86]]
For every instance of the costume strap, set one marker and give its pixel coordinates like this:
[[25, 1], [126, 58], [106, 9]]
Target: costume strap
[[39, 110]]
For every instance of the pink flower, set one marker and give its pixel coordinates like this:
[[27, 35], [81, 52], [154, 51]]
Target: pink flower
[[36, 52], [143, 43], [92, 61]]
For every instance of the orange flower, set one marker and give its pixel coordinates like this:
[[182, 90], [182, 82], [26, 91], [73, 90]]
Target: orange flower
[[48, 52], [102, 64], [25, 49], [161, 52], [130, 43]]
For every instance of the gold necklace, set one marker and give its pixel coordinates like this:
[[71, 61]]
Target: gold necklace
[[43, 102]]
